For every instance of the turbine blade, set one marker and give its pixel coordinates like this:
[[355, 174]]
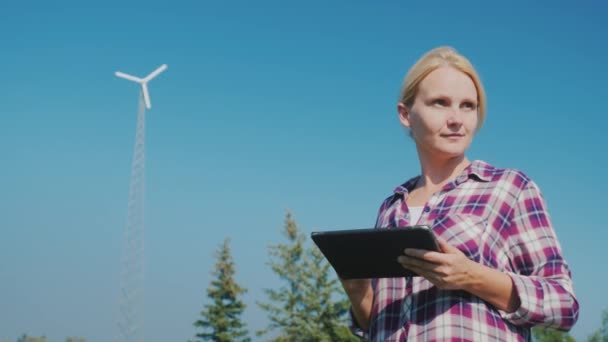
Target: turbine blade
[[128, 77], [144, 89], [155, 72]]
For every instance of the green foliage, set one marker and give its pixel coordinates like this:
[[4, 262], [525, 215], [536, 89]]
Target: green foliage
[[221, 320], [285, 309], [601, 335], [324, 300], [25, 338], [542, 334], [305, 308]]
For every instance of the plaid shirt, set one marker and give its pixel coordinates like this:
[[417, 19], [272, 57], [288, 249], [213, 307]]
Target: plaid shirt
[[497, 217]]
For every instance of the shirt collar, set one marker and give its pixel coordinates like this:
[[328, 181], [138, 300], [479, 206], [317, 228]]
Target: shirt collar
[[478, 170], [482, 170]]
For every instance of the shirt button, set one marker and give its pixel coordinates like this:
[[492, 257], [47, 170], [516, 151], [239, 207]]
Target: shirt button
[[427, 209]]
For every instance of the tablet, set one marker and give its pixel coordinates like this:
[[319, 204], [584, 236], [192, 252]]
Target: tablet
[[372, 253]]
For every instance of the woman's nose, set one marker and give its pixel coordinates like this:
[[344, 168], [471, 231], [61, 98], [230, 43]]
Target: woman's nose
[[455, 117]]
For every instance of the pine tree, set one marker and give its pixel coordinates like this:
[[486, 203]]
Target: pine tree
[[311, 305], [25, 338], [325, 302], [286, 309], [221, 320], [601, 335], [75, 339], [543, 334]]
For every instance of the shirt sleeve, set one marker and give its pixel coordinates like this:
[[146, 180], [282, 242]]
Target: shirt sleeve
[[541, 276]]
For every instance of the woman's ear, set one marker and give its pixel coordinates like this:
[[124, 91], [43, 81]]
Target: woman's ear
[[404, 114]]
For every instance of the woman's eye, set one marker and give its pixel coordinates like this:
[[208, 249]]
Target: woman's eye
[[440, 102], [469, 105]]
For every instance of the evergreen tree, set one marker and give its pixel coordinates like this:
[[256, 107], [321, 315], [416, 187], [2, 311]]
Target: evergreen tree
[[286, 310], [543, 334], [311, 305], [325, 302], [601, 335], [221, 320], [25, 338]]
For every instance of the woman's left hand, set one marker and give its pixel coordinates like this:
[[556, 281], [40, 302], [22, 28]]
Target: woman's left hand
[[450, 270]]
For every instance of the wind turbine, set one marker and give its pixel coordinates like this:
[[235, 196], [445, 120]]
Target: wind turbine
[[143, 82], [130, 322]]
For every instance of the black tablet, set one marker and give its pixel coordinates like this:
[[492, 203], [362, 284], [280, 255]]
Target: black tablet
[[372, 253]]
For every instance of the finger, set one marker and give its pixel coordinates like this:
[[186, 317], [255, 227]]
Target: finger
[[446, 247], [418, 270], [429, 275], [408, 262], [423, 254], [418, 253], [404, 261]]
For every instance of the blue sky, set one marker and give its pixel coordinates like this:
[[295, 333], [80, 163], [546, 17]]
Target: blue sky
[[265, 106]]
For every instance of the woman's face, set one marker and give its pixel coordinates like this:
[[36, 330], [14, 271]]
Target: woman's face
[[443, 117]]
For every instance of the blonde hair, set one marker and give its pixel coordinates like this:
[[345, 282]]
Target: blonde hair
[[438, 57]]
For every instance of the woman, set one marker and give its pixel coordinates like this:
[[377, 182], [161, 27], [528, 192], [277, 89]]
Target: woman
[[501, 270]]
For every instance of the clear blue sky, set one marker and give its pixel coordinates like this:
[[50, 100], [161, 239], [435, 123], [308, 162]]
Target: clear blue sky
[[265, 106]]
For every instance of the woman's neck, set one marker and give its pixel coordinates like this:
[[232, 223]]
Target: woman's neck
[[437, 173]]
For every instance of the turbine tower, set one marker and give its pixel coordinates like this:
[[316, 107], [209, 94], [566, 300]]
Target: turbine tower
[[130, 322]]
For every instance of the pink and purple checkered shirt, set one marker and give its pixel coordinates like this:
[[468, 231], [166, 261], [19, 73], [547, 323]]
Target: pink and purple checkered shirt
[[497, 217]]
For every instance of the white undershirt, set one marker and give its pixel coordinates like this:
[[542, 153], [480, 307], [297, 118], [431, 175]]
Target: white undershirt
[[415, 213]]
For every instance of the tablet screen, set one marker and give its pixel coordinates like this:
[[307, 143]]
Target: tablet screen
[[372, 253]]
